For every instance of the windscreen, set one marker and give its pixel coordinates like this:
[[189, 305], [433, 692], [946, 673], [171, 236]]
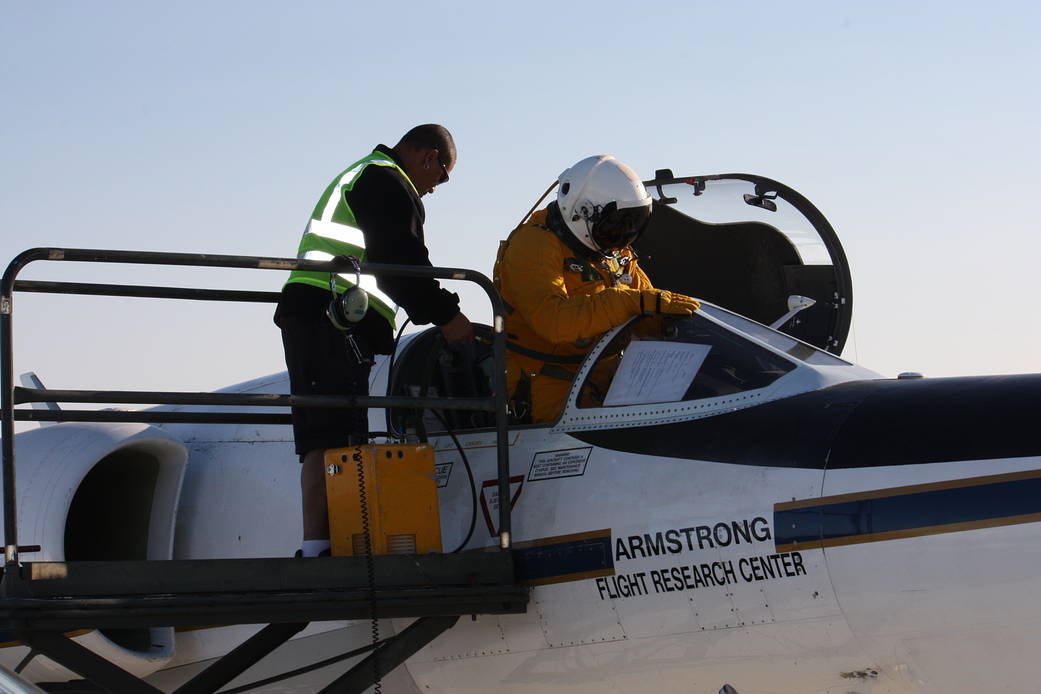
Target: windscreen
[[778, 340], [656, 361]]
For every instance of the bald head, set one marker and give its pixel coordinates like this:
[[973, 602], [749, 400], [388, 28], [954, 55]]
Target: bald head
[[427, 137], [427, 153]]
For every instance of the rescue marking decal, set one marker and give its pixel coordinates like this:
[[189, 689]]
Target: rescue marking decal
[[563, 558], [490, 500], [689, 575], [550, 465], [916, 510]]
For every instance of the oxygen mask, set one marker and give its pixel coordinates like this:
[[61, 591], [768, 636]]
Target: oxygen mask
[[614, 229]]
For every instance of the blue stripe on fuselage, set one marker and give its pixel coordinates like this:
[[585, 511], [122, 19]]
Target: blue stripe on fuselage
[[940, 507]]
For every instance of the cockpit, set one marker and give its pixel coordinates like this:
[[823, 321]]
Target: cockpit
[[648, 362], [777, 309], [650, 370]]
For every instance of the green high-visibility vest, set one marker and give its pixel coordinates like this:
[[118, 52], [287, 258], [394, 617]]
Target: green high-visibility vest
[[332, 230]]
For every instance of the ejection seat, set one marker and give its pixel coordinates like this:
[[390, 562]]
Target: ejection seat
[[428, 366]]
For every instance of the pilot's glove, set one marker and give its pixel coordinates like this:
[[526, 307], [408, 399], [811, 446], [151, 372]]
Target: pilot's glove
[[660, 302]]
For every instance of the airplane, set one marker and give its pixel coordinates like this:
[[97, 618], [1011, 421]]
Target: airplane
[[722, 500]]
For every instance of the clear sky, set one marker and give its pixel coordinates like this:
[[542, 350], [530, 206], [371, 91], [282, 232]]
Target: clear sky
[[213, 127]]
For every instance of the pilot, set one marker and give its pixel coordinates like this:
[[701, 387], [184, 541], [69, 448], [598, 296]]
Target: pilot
[[568, 274], [372, 210]]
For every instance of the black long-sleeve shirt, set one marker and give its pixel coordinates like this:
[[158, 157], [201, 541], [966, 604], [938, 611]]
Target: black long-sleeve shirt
[[390, 214]]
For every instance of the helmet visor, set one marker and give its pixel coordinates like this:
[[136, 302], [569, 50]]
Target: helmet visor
[[614, 229]]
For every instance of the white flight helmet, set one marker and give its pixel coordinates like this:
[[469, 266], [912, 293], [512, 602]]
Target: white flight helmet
[[603, 203]]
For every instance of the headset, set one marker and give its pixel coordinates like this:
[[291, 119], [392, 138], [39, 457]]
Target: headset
[[346, 309]]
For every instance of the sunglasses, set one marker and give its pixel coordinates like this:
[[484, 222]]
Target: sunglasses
[[444, 169]]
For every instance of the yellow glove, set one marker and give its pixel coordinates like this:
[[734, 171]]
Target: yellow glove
[[659, 302]]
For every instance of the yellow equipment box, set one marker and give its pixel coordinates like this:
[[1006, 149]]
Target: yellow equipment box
[[400, 497]]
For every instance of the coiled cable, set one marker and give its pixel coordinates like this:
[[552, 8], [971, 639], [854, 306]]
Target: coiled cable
[[370, 567]]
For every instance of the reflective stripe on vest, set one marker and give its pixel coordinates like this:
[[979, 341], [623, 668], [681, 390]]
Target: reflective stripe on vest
[[333, 230]]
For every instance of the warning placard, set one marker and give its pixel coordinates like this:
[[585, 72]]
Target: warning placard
[[550, 465], [490, 500]]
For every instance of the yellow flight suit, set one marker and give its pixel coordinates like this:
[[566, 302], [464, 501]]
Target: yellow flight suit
[[558, 303]]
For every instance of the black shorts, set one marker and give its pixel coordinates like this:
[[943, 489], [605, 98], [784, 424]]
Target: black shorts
[[320, 363]]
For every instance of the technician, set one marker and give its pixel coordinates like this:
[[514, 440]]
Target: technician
[[568, 275], [371, 210]]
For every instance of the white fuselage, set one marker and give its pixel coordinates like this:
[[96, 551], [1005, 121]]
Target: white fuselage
[[919, 614], [692, 589]]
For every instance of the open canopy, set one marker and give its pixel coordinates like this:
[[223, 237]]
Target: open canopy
[[749, 243]]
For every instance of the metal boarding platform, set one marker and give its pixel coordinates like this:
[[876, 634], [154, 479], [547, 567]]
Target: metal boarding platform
[[40, 602]]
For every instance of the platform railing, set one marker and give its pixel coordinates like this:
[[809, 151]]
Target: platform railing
[[12, 395]]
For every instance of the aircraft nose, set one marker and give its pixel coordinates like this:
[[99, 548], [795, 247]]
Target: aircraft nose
[[930, 525], [926, 456]]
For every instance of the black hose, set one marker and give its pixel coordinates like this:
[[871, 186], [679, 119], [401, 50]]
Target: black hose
[[473, 485], [390, 372], [393, 353]]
